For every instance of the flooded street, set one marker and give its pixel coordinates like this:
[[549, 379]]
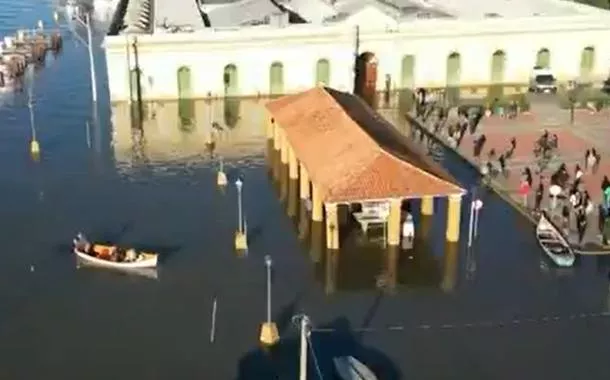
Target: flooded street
[[499, 311]]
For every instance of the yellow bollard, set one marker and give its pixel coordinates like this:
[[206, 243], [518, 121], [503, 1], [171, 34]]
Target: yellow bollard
[[241, 241], [221, 178], [269, 334], [34, 147]]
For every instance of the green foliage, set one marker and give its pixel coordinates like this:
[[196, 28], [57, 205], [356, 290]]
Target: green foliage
[[604, 4], [581, 96]]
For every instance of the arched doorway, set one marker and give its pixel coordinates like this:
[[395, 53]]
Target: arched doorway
[[365, 81], [230, 80], [184, 83], [454, 68], [407, 79], [323, 72], [496, 89], [587, 64], [453, 77], [543, 58], [498, 60], [276, 78]]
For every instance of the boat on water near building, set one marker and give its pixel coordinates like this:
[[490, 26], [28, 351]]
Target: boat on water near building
[[258, 47]]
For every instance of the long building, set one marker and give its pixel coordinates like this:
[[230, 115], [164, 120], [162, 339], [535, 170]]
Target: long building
[[189, 49]]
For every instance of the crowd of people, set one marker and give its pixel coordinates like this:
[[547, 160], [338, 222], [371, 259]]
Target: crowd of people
[[573, 204]]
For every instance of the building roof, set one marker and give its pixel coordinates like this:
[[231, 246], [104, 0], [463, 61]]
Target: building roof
[[352, 153], [177, 15], [240, 13]]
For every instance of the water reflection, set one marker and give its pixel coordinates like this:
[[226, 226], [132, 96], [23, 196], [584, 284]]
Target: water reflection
[[364, 264], [186, 130]]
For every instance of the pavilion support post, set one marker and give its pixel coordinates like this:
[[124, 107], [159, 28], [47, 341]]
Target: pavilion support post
[[270, 128], [453, 218], [304, 190], [427, 205], [293, 164], [332, 226], [316, 205], [393, 229], [277, 137], [284, 148]]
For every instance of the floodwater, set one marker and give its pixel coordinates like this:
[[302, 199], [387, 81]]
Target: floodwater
[[498, 311]]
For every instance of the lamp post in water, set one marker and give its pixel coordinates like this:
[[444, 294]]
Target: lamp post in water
[[269, 333], [86, 23], [241, 240], [473, 224]]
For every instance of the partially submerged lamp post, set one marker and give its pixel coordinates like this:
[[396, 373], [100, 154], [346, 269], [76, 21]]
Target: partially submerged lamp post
[[34, 145], [86, 23], [269, 332], [473, 224], [221, 177], [241, 240]]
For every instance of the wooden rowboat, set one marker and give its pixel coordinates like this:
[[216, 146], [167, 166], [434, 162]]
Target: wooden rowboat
[[112, 256], [350, 368], [554, 244]]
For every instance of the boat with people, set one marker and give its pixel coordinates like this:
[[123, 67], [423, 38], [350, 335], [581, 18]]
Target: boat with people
[[112, 256], [350, 368], [554, 244]]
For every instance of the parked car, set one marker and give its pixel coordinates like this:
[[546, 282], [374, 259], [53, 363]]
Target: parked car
[[542, 80]]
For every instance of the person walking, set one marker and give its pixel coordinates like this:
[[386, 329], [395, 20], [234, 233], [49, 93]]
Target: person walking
[[539, 195]]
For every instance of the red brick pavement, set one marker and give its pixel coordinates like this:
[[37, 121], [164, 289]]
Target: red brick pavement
[[569, 143], [494, 120]]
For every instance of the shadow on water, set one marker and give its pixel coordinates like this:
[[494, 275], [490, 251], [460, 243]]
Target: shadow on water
[[334, 339]]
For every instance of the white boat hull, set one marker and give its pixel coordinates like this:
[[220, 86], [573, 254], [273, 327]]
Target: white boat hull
[[554, 244], [350, 368], [144, 263]]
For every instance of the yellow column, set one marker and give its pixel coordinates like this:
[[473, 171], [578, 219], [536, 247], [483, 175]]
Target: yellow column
[[304, 182], [453, 218], [277, 137], [427, 205], [270, 128], [293, 165], [332, 226], [394, 222], [284, 147], [316, 205]]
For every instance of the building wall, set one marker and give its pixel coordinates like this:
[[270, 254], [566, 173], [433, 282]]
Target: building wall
[[298, 49]]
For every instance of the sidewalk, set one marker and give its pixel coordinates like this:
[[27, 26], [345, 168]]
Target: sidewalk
[[574, 140]]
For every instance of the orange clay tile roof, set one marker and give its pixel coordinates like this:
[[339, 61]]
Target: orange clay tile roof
[[352, 153]]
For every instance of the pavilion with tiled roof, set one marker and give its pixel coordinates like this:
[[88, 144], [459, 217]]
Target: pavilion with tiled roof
[[343, 152]]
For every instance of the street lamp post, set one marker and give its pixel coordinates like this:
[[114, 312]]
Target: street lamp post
[[269, 332], [241, 240], [89, 44], [572, 99], [221, 177], [475, 206]]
